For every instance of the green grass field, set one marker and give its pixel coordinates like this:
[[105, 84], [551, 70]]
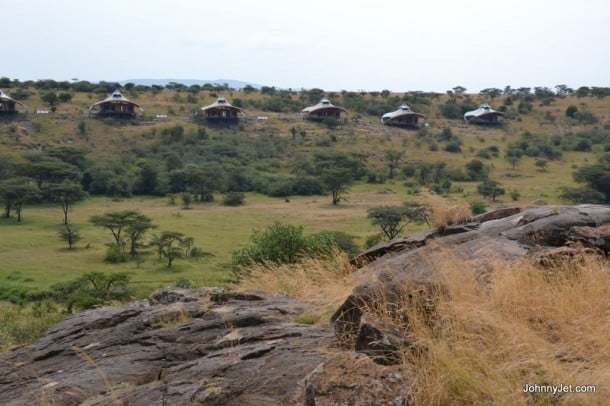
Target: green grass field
[[31, 254]]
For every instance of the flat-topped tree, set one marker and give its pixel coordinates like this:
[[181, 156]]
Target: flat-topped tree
[[172, 245], [15, 192], [65, 194], [129, 222]]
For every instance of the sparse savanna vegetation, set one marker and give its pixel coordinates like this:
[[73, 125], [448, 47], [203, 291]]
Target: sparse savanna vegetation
[[99, 212]]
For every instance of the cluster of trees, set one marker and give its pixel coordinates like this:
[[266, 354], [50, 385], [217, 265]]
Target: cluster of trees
[[53, 175], [128, 229], [595, 179]]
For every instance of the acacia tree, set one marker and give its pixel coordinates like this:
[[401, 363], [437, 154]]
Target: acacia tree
[[393, 158], [15, 192], [138, 225], [490, 189], [393, 219], [133, 223], [337, 181], [69, 235], [513, 156], [50, 169], [65, 194], [172, 245]]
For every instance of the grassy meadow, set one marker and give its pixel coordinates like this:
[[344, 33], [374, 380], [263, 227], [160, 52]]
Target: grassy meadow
[[32, 254]]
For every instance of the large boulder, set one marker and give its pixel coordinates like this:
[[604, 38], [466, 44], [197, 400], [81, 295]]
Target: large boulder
[[405, 270], [178, 347]]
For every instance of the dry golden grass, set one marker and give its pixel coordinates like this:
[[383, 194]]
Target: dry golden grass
[[527, 326], [486, 337], [444, 212], [322, 283]]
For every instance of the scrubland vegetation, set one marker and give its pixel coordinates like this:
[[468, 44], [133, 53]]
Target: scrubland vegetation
[[218, 188]]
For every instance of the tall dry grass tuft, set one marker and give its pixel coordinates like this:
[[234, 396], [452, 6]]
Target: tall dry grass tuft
[[445, 212], [528, 325], [322, 282]]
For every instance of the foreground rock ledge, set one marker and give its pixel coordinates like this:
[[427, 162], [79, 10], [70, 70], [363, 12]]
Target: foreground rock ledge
[[214, 347], [178, 347]]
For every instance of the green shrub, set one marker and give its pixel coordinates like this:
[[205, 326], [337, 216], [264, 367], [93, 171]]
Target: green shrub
[[199, 253], [571, 110], [282, 243], [478, 207], [330, 122], [373, 240], [14, 293], [115, 255], [92, 289], [585, 117], [184, 283], [234, 199], [21, 325], [345, 242], [453, 146]]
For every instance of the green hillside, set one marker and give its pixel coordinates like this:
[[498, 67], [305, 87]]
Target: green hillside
[[276, 159]]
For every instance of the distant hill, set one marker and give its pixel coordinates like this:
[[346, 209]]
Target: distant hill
[[234, 84]]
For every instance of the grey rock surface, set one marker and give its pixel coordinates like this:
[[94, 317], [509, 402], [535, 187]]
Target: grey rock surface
[[405, 270], [179, 347]]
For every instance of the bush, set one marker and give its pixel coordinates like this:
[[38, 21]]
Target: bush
[[571, 110], [343, 241], [478, 207], [21, 325], [92, 289], [453, 146], [582, 195], [330, 122], [307, 186], [13, 293], [115, 255], [373, 240], [585, 117], [234, 199], [184, 283], [282, 243]]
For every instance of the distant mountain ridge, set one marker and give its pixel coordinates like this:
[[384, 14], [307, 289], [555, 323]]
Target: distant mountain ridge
[[234, 84]]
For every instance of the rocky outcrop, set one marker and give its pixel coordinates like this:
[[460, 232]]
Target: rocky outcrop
[[405, 270], [216, 347], [178, 347]]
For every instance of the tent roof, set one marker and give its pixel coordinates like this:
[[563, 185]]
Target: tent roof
[[403, 110], [323, 104], [116, 97], [5, 97], [483, 110], [221, 102]]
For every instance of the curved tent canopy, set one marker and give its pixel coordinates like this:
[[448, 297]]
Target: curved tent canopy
[[484, 115], [114, 105], [324, 109], [221, 110], [403, 117], [8, 105]]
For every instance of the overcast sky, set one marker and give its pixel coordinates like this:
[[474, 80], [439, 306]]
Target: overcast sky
[[430, 45]]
